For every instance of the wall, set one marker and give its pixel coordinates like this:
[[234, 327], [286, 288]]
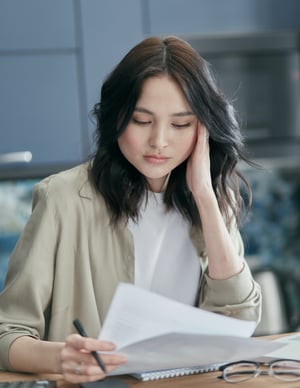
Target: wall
[[55, 54]]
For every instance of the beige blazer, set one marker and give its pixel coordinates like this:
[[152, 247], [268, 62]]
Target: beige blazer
[[69, 261]]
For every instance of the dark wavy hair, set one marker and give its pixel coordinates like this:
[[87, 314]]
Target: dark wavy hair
[[121, 185]]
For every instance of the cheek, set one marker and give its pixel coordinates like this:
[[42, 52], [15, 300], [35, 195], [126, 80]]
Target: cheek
[[128, 142], [189, 143]]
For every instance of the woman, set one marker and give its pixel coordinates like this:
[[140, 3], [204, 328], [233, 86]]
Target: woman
[[158, 205]]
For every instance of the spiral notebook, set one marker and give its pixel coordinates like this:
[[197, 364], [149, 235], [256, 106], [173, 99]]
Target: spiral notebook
[[176, 372]]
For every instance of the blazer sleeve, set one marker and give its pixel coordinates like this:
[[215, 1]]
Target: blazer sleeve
[[28, 286]]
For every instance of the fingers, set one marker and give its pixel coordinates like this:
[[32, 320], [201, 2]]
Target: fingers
[[202, 132], [198, 174], [78, 364], [80, 372], [77, 373], [202, 143], [76, 341]]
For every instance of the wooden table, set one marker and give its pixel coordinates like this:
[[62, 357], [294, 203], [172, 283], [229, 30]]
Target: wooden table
[[209, 380]]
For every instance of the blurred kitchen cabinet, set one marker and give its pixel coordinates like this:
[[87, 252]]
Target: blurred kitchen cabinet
[[40, 107], [173, 16], [40, 99], [54, 57], [217, 17], [36, 24], [110, 29], [193, 16]]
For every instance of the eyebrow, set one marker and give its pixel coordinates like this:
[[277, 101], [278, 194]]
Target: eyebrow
[[178, 114]]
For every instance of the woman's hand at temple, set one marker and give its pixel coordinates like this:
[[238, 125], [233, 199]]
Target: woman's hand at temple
[[198, 166], [223, 260]]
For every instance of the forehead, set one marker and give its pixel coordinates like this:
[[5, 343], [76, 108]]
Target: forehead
[[162, 93]]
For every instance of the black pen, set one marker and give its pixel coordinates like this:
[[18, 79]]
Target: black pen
[[82, 332]]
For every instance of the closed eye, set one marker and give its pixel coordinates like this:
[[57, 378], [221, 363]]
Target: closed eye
[[141, 122], [185, 125]]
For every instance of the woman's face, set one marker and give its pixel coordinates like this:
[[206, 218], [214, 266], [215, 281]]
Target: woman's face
[[161, 133]]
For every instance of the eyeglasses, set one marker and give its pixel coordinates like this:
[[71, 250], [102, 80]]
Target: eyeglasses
[[284, 370]]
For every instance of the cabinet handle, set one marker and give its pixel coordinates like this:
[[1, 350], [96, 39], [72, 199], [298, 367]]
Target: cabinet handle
[[16, 157]]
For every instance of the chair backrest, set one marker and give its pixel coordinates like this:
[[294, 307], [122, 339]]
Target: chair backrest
[[281, 299]]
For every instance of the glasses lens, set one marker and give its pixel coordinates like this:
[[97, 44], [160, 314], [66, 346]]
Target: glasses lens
[[238, 372], [286, 370]]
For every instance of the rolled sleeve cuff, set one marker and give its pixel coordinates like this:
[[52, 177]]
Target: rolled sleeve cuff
[[234, 290], [6, 342]]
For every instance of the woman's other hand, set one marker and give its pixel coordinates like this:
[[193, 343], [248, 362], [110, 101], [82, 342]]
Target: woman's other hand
[[198, 166], [78, 364]]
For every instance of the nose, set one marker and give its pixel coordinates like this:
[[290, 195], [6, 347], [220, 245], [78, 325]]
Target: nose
[[158, 137]]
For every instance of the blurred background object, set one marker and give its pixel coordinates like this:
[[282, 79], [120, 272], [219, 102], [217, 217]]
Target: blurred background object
[[15, 208], [280, 284]]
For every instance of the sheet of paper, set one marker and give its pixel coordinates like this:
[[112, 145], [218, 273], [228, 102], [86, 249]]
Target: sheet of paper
[[176, 350], [137, 314], [155, 332], [291, 348]]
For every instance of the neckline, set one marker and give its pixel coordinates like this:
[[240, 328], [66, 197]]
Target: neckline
[[157, 197]]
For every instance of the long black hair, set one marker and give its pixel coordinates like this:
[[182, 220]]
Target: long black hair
[[121, 185]]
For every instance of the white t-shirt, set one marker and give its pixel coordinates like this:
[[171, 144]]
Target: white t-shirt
[[166, 261]]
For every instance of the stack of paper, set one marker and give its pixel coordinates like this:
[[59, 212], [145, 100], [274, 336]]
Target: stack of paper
[[290, 348], [157, 333]]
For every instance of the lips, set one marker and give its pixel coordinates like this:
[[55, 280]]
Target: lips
[[156, 158]]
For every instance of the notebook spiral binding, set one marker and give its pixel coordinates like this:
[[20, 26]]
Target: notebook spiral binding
[[177, 372]]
